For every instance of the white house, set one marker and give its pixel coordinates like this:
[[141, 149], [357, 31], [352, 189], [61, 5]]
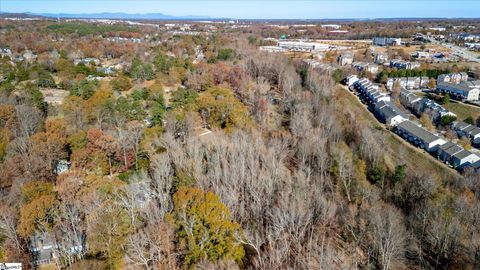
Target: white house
[[350, 80], [464, 158], [381, 58], [345, 59], [29, 56], [408, 98]]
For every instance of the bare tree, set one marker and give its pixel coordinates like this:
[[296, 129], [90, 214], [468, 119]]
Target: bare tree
[[388, 235]]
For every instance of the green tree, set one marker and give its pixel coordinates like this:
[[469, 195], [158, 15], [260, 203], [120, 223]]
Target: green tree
[[129, 108], [252, 40], [447, 120], [446, 99], [121, 83], [45, 79], [141, 71], [376, 174], [226, 54], [399, 174], [204, 227], [468, 120], [158, 110], [183, 97], [139, 94], [163, 62], [84, 89], [337, 75]]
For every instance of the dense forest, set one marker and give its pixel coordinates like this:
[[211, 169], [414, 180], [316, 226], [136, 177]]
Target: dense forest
[[245, 160]]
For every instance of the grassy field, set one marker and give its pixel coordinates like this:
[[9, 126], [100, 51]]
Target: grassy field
[[463, 110], [397, 151]]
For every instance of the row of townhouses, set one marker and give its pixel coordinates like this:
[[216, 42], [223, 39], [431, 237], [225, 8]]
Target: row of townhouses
[[466, 130], [468, 90], [453, 77], [420, 105], [408, 82], [364, 66], [385, 110], [448, 152], [348, 58]]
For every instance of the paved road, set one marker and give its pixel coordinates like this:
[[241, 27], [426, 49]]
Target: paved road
[[463, 52]]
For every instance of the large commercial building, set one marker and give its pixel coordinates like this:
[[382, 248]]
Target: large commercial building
[[303, 46], [384, 41]]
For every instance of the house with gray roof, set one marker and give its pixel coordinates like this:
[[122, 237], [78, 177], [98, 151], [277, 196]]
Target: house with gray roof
[[390, 114], [464, 90], [408, 98], [419, 136], [446, 151], [463, 159], [466, 130], [436, 110]]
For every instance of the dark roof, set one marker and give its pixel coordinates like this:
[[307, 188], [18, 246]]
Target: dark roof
[[476, 164], [389, 110], [459, 125], [452, 150], [469, 128], [418, 132], [446, 145], [462, 154]]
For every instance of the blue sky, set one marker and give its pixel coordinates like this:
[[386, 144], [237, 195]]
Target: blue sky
[[249, 9]]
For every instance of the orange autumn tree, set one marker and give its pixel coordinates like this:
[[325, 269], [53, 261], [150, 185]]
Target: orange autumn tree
[[205, 228], [38, 209]]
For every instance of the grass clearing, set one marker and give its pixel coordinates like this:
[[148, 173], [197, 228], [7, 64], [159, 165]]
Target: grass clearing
[[463, 110]]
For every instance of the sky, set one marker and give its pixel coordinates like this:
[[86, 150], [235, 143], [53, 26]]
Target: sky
[[250, 9]]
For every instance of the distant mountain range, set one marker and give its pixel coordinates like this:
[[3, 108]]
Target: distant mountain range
[[105, 15], [161, 16]]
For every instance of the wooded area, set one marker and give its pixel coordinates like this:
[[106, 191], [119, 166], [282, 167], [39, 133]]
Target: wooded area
[[290, 176]]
